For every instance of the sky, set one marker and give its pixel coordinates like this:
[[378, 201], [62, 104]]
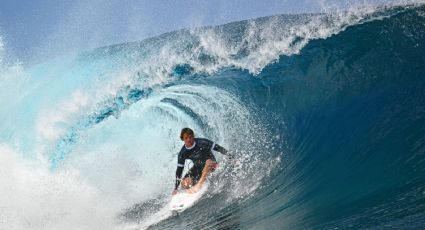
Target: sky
[[38, 29]]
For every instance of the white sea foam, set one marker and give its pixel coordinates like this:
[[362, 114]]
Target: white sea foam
[[31, 197]]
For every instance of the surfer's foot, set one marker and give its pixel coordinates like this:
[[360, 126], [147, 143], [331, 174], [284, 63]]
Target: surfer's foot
[[194, 189]]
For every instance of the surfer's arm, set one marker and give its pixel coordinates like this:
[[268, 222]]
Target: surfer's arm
[[220, 149], [179, 171]]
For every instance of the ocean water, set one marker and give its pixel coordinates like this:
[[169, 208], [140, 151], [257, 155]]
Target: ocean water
[[324, 113]]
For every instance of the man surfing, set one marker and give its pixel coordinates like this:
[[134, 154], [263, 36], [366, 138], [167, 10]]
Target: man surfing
[[199, 151]]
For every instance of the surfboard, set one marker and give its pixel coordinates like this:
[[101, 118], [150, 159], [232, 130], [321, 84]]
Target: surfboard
[[184, 200]]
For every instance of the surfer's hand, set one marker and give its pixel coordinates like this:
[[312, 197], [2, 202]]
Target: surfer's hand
[[174, 192], [232, 159], [230, 156]]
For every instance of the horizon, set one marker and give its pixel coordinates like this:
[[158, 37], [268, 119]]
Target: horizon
[[34, 30]]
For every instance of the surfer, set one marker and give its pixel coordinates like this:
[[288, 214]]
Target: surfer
[[199, 151]]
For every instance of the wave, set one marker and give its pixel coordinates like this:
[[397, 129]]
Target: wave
[[324, 113]]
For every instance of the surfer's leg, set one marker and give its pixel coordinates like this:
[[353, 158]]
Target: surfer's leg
[[187, 182], [209, 167]]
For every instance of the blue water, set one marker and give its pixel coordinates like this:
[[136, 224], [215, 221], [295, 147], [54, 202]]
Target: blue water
[[324, 113]]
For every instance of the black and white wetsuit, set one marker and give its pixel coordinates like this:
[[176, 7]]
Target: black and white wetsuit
[[199, 153]]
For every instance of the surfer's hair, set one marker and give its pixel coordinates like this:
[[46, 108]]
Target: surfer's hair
[[188, 131]]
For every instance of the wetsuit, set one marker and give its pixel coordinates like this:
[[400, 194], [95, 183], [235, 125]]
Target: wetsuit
[[199, 153]]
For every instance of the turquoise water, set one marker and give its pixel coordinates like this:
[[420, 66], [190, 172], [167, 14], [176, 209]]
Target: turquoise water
[[324, 113]]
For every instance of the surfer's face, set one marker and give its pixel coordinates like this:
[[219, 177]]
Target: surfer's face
[[188, 140]]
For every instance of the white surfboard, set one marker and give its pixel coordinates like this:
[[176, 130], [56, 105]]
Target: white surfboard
[[183, 200]]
